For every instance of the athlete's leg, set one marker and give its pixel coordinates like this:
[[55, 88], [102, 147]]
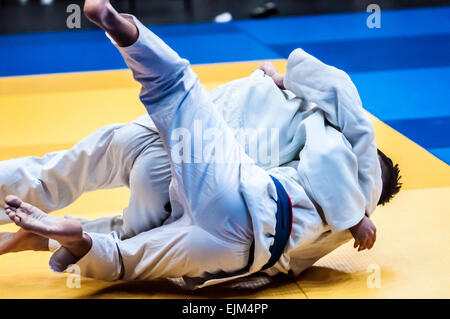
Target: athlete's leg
[[149, 181], [175, 250], [150, 177], [207, 165], [205, 178], [57, 179]]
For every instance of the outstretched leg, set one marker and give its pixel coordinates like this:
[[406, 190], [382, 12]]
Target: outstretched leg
[[206, 164], [102, 160], [69, 233], [168, 251]]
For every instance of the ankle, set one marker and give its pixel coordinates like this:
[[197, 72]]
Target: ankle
[[98, 13], [79, 247]]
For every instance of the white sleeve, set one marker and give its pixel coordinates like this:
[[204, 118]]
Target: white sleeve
[[335, 94], [328, 171]]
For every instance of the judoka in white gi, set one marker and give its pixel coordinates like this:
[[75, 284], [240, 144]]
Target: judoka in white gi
[[203, 203]]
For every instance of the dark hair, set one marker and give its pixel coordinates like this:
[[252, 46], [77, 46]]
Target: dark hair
[[390, 175]]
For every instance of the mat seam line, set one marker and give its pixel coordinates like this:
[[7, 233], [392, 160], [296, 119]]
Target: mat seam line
[[301, 289]]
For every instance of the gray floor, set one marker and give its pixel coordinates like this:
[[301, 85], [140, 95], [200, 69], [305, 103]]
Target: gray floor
[[34, 17]]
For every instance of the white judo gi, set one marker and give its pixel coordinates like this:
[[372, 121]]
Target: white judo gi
[[323, 138]]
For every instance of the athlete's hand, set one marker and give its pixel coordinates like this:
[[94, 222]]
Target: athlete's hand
[[271, 71], [364, 234]]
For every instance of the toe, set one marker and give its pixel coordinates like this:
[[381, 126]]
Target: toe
[[10, 214], [13, 201], [20, 219], [11, 208], [26, 208], [22, 211]]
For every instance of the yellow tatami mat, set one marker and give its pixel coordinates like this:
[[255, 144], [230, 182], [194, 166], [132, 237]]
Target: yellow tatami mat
[[410, 259]]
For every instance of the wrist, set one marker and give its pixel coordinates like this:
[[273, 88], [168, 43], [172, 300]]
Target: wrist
[[358, 225], [278, 78]]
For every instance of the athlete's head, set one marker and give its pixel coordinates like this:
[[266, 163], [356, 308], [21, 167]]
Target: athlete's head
[[390, 174]]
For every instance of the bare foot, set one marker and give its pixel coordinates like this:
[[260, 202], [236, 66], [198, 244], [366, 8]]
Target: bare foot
[[120, 27], [32, 219], [99, 12], [21, 241]]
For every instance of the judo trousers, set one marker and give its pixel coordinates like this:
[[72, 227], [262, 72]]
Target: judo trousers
[[208, 229]]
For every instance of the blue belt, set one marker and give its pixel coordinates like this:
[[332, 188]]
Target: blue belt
[[283, 227]]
